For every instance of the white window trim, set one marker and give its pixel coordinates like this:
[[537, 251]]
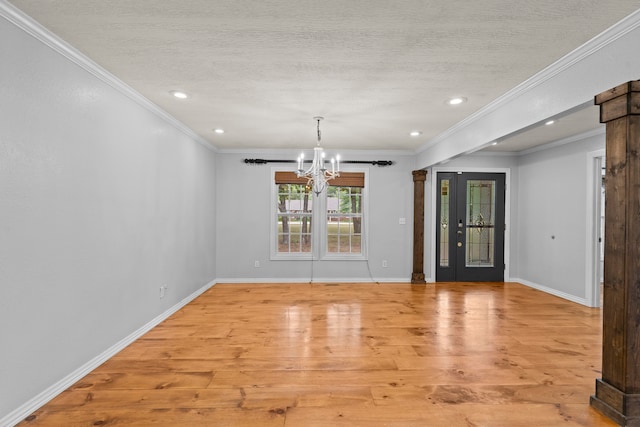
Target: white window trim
[[273, 235], [362, 256], [318, 224]]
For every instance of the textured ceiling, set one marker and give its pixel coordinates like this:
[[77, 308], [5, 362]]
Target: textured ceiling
[[376, 70]]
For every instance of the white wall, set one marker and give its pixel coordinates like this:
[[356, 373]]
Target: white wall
[[243, 223], [101, 202], [552, 218]]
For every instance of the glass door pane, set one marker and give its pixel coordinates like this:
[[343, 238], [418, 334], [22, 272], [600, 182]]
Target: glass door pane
[[444, 223], [480, 223]]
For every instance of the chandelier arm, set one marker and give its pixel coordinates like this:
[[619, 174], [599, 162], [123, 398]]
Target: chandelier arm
[[317, 174]]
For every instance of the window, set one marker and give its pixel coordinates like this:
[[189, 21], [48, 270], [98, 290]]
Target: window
[[330, 226], [344, 220], [294, 218]]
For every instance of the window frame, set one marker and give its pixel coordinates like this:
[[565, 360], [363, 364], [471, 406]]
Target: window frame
[[319, 219], [275, 254], [362, 255]]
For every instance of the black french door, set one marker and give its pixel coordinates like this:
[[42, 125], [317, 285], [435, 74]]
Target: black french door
[[470, 227]]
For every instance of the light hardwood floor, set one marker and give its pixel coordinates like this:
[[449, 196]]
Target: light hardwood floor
[[447, 354]]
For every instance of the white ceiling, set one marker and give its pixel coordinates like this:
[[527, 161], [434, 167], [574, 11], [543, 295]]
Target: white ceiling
[[376, 70]]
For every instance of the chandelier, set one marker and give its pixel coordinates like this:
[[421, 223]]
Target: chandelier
[[317, 175]]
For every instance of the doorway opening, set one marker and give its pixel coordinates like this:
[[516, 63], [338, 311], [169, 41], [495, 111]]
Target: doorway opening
[[596, 177], [600, 275]]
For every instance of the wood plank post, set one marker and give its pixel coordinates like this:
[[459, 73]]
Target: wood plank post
[[419, 178], [618, 392]]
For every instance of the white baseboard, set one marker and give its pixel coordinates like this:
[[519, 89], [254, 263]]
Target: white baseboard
[[315, 280], [551, 291], [23, 411]]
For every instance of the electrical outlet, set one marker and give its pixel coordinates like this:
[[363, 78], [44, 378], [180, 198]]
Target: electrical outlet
[[162, 291], [256, 264], [384, 263]]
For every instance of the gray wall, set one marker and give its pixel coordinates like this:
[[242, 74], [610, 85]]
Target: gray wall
[[243, 223], [553, 202], [101, 203]]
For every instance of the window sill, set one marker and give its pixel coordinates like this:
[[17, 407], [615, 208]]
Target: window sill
[[293, 257], [344, 257], [308, 257]]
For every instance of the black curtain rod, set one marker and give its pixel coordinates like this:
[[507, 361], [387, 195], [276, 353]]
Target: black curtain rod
[[350, 162]]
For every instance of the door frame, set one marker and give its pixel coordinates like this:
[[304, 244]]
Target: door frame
[[507, 213], [592, 233]]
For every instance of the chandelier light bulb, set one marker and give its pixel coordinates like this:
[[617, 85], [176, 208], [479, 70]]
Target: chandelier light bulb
[[317, 175]]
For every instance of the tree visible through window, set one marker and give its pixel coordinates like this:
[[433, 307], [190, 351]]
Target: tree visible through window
[[330, 224], [294, 218], [344, 224]]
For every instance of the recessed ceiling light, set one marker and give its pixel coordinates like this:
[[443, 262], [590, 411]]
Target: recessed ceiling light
[[456, 101], [415, 133], [494, 143], [219, 131], [550, 122], [179, 94]]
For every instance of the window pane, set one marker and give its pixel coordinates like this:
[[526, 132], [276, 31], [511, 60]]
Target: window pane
[[294, 219], [344, 244], [356, 240], [444, 223], [344, 220], [480, 223]]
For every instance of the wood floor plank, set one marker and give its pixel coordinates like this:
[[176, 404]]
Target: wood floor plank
[[485, 394], [300, 354], [148, 399], [223, 417]]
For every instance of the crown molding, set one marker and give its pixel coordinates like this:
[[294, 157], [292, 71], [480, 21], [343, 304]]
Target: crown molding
[[30, 26], [603, 39]]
